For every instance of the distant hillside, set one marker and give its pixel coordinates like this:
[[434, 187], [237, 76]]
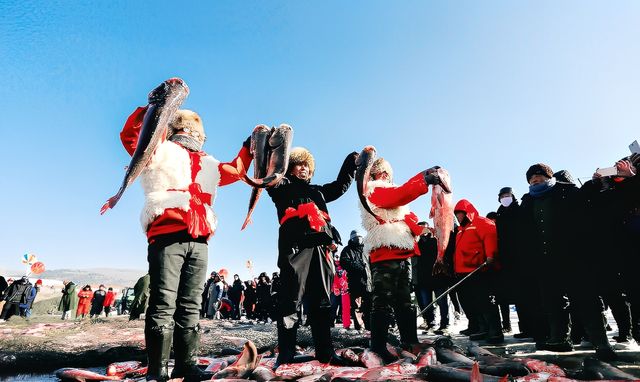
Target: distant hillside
[[93, 276]]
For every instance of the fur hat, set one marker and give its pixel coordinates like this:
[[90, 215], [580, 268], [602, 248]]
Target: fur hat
[[187, 119], [539, 169], [300, 155], [381, 165]]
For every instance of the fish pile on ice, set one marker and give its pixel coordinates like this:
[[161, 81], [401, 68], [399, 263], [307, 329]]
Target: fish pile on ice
[[433, 360]]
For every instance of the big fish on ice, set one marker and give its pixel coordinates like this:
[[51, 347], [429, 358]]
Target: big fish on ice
[[164, 101]]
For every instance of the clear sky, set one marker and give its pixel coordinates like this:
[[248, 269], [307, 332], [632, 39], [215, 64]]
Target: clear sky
[[484, 89]]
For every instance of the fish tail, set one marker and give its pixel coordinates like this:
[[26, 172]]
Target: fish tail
[[247, 221]]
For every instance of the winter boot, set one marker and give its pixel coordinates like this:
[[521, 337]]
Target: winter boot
[[407, 326], [321, 333], [286, 344], [473, 325], [186, 342], [494, 328], [379, 333], [158, 343], [483, 328]]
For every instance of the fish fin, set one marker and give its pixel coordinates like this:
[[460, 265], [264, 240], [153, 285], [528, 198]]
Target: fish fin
[[110, 203], [475, 373]]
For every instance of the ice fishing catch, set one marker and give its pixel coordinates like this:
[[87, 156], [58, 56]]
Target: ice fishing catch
[[154, 120]]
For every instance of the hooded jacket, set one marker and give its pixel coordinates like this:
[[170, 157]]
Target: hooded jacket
[[475, 242]]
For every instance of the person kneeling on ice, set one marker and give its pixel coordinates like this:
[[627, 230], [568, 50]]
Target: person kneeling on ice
[[390, 244], [180, 185]]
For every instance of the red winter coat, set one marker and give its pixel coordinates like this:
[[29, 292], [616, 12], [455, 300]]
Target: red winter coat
[[175, 219], [109, 299], [475, 242], [394, 197], [84, 302]]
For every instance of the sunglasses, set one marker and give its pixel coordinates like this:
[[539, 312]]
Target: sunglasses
[[195, 134]]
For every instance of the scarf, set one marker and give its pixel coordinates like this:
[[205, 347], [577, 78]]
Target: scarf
[[187, 141], [542, 188]]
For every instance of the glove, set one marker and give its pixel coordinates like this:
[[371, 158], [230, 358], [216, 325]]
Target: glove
[[431, 175], [350, 162], [247, 143]]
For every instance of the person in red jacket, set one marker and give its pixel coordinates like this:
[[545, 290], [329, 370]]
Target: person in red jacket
[[477, 243], [390, 243], [109, 299], [179, 185], [84, 302]]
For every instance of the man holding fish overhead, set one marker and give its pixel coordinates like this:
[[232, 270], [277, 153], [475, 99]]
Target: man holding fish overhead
[[304, 257], [391, 241], [179, 183]]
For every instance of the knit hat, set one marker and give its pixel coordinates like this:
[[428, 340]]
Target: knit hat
[[353, 234], [564, 176], [539, 169], [381, 165], [505, 190], [187, 119], [301, 155]]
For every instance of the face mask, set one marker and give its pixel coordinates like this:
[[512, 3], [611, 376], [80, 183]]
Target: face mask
[[187, 141], [506, 201]]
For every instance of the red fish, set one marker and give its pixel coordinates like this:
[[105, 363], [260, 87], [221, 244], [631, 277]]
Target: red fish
[[442, 215], [243, 366], [121, 369], [297, 370], [164, 101], [82, 375], [370, 359], [426, 358], [538, 366]]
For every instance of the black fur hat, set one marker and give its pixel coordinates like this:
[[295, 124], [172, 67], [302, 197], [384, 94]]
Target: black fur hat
[[539, 169]]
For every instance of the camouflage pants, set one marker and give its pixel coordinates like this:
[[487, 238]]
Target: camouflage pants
[[391, 286]]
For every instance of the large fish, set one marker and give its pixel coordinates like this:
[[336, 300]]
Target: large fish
[[363, 168], [596, 369], [442, 215], [243, 366], [82, 375], [270, 149], [443, 373], [164, 101], [126, 369]]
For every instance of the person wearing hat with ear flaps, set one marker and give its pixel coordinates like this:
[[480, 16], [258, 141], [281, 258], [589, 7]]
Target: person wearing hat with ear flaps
[[304, 255], [180, 184], [552, 218]]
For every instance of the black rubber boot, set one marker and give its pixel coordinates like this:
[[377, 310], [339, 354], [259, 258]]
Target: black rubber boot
[[286, 344], [321, 333], [379, 333], [407, 326], [494, 327], [158, 342], [186, 342]]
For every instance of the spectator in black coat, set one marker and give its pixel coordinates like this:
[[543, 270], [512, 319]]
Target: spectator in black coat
[[356, 263], [17, 293], [235, 293]]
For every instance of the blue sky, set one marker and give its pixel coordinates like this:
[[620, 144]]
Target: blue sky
[[484, 89]]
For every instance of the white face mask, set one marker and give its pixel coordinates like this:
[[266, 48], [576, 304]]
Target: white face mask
[[506, 201]]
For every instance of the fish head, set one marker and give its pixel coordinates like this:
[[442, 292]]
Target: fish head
[[174, 91]]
